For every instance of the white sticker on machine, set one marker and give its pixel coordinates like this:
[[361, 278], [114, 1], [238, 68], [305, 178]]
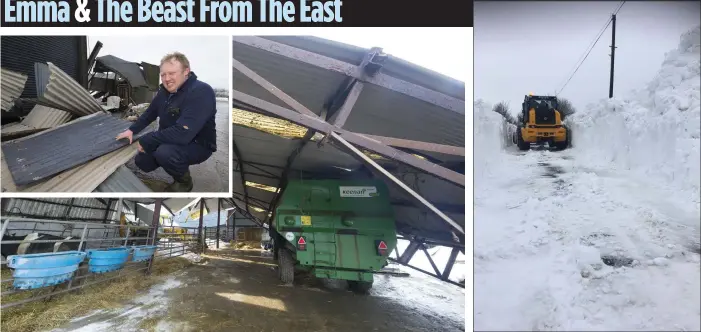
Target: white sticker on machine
[[289, 236], [358, 191]]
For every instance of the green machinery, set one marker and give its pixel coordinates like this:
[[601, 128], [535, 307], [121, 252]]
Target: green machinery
[[334, 229]]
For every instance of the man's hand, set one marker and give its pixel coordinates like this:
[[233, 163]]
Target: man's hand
[[138, 147], [126, 134]]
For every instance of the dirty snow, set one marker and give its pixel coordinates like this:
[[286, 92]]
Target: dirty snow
[[155, 303], [603, 236]]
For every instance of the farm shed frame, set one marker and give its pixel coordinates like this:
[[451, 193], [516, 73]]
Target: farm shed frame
[[358, 101]]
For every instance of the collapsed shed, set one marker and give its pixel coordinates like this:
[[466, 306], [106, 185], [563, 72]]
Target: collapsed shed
[[366, 113]]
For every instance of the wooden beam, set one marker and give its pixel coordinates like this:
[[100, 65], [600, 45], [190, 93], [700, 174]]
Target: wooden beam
[[418, 145]]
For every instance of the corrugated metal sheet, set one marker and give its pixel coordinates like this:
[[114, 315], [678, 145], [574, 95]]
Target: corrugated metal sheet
[[37, 157], [127, 69], [20, 53], [122, 181], [46, 117], [42, 74], [63, 92], [310, 85], [381, 112], [17, 129], [57, 208], [262, 147], [324, 159], [39, 118], [83, 179], [12, 84]]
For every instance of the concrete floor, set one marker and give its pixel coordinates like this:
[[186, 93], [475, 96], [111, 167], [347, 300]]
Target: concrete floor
[[239, 291], [210, 176]]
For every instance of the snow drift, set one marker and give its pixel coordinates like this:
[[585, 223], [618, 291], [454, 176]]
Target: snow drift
[[490, 139], [655, 131]]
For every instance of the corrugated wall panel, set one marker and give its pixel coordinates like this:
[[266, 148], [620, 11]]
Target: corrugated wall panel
[[88, 209]]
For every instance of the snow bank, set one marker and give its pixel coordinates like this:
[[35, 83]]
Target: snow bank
[[654, 131], [488, 142]]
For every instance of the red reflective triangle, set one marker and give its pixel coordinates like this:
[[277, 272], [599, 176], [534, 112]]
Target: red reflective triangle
[[382, 246], [301, 241]]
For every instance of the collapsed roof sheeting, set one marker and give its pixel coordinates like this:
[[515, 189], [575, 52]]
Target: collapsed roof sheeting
[[401, 101], [328, 161], [127, 69], [39, 118], [57, 89], [122, 180], [12, 85], [34, 158], [81, 179]]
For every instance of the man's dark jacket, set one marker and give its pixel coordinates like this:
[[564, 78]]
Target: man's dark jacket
[[186, 116]]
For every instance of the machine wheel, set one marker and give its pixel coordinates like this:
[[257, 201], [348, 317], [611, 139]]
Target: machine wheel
[[286, 266], [360, 287], [566, 144], [523, 146]]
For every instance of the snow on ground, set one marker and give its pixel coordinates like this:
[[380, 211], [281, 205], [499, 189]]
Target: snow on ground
[[602, 236], [153, 304]]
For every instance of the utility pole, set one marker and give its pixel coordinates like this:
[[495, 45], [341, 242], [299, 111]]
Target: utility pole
[[613, 52]]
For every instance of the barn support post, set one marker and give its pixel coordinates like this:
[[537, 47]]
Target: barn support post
[[155, 222], [200, 233], [4, 228], [218, 219], [126, 238], [120, 202]]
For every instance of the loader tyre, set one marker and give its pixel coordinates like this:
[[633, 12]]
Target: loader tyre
[[566, 143], [286, 266], [360, 287], [523, 146]]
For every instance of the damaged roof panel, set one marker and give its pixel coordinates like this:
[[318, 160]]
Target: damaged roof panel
[[122, 181], [84, 178], [39, 118], [37, 157], [127, 69], [58, 90], [12, 85]]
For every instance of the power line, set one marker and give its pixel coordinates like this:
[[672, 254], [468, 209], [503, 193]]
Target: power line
[[591, 47]]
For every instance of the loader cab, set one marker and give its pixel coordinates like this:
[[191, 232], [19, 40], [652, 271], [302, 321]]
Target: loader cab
[[540, 110], [540, 123]]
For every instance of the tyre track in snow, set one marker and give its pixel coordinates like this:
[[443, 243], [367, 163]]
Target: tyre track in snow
[[539, 261]]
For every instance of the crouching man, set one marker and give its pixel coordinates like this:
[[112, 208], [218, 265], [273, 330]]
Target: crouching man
[[186, 136]]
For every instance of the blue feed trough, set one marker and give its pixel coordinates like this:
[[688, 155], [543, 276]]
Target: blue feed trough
[[107, 260], [41, 270], [143, 253]]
